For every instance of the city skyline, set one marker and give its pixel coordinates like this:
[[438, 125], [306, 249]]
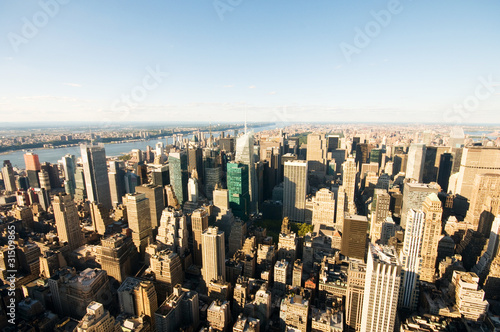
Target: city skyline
[[337, 61]]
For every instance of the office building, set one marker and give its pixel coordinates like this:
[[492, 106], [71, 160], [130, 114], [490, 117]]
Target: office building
[[484, 202], [294, 311], [349, 183], [214, 257], [219, 316], [118, 254], [179, 175], [281, 273], [433, 211], [317, 149], [379, 213], [295, 190], [180, 311], [97, 319], [354, 295], [167, 268], [380, 301], [245, 155], [444, 171], [173, 231], [199, 223], [96, 174], [156, 203], [469, 298], [67, 221], [139, 220], [31, 161], [8, 176], [354, 236], [238, 189], [416, 159], [116, 177], [414, 195], [324, 208]]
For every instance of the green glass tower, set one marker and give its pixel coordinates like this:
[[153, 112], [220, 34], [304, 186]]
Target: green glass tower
[[178, 167], [237, 184]]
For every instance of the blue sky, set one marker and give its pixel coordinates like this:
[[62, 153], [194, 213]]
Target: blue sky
[[276, 60]]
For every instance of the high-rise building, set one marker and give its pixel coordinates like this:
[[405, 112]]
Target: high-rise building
[[294, 312], [179, 310], [100, 217], [199, 223], [380, 301], [245, 155], [297, 273], [354, 236], [444, 171], [80, 191], [469, 298], [67, 221], [219, 316], [238, 187], [281, 273], [116, 177], [324, 208], [195, 162], [340, 209], [179, 175], [354, 295], [414, 195], [32, 162], [433, 211], [476, 160], [139, 220], [8, 176], [295, 190], [118, 253], [317, 149], [411, 259], [138, 297], [416, 159], [484, 202], [349, 183], [167, 268], [160, 176], [96, 174], [156, 204], [173, 231], [214, 254], [68, 163], [380, 212]]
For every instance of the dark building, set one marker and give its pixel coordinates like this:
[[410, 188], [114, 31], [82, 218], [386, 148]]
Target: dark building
[[354, 237], [195, 162], [227, 144], [430, 169], [363, 153], [179, 175], [444, 172], [160, 176], [237, 184]]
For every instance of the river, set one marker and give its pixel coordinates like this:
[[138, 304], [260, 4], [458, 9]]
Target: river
[[112, 149]]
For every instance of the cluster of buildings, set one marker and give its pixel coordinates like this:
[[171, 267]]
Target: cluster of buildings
[[366, 230]]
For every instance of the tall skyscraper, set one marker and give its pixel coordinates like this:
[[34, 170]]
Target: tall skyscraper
[[380, 302], [341, 209], [433, 211], [96, 174], [199, 223], [139, 220], [444, 171], [32, 162], [416, 159], [414, 195], [317, 148], [214, 255], [68, 163], [238, 187], [295, 190], [476, 160], [245, 155], [179, 175], [116, 176], [484, 202], [67, 221], [138, 297], [411, 259], [156, 204], [195, 162], [349, 183], [354, 236], [380, 212], [8, 176]]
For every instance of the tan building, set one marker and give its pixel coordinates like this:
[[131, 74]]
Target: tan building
[[484, 202], [281, 272], [317, 149], [297, 273], [341, 209], [117, 253], [324, 208], [138, 297], [349, 183], [156, 201], [476, 160], [167, 267], [355, 292], [379, 213], [173, 231], [139, 220], [294, 312], [246, 324], [214, 256], [468, 296], [67, 221], [219, 316], [97, 319], [295, 189], [199, 223], [327, 320], [100, 217], [433, 211]]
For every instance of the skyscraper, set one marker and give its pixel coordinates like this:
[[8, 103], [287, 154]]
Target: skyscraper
[[354, 236], [380, 302], [238, 187], [416, 158], [139, 220], [444, 171], [68, 163], [96, 174], [414, 195], [354, 295], [324, 208], [295, 190], [380, 212], [349, 183], [433, 211], [317, 148], [484, 202], [32, 162], [116, 181], [214, 256], [156, 204], [67, 221], [8, 176], [476, 160], [179, 175], [199, 223], [245, 155], [411, 259]]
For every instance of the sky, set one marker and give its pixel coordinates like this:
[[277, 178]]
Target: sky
[[273, 60]]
